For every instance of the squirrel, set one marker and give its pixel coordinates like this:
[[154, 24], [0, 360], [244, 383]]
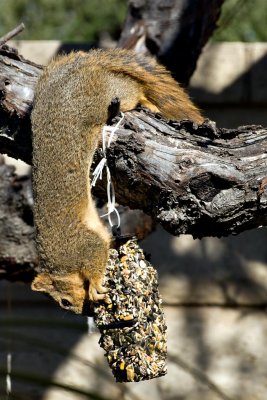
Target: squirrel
[[71, 105]]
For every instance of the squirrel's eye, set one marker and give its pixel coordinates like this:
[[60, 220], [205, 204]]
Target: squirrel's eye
[[66, 303]]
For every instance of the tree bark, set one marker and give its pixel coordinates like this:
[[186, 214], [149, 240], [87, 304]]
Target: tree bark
[[192, 179], [18, 257], [18, 78], [175, 31]]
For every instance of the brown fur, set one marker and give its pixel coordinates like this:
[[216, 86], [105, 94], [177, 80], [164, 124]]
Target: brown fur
[[70, 108]]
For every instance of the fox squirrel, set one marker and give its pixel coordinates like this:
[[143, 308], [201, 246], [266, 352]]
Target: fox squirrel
[[71, 106]]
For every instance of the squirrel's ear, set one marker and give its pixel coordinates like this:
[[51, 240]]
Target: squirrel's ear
[[41, 283]]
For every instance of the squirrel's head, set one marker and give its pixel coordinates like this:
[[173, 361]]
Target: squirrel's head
[[70, 291]]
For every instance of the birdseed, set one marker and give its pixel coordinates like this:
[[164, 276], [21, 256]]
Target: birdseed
[[132, 324]]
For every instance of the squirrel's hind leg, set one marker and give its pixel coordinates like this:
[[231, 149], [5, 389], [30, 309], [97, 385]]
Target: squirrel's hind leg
[[147, 104]]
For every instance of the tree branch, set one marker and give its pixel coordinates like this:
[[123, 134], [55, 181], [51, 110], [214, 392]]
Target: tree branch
[[198, 180], [18, 78], [11, 34]]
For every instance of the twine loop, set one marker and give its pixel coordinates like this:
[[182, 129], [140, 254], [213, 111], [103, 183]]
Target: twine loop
[[98, 173]]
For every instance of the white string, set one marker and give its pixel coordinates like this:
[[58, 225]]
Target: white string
[[98, 172], [9, 355], [8, 375]]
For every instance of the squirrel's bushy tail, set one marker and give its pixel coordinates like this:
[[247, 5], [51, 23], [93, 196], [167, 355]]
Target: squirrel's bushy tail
[[158, 86]]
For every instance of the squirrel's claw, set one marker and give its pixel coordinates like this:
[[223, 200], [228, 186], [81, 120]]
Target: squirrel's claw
[[97, 291]]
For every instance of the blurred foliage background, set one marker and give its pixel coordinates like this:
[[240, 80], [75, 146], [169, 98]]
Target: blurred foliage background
[[243, 20], [68, 20], [84, 20]]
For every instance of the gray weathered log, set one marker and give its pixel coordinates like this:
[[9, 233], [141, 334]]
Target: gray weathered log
[[198, 180], [18, 78], [175, 31]]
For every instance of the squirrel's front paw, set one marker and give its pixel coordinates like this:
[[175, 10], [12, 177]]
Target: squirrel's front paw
[[96, 290]]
